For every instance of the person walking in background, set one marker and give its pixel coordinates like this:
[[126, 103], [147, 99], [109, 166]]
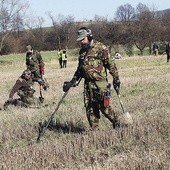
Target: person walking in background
[[168, 51], [155, 48], [94, 61], [59, 56], [64, 59]]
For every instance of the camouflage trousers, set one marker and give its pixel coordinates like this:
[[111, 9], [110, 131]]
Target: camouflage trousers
[[22, 102], [36, 75], [94, 104]]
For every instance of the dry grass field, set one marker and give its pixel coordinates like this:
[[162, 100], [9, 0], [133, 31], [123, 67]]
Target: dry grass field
[[143, 145]]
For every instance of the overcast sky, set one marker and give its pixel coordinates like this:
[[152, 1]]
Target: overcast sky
[[87, 9]]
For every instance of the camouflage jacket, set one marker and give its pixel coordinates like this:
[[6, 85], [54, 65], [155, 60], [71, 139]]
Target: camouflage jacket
[[22, 86], [34, 61], [94, 61]]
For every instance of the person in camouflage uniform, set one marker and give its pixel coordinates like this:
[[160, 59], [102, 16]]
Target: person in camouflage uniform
[[94, 61], [34, 63], [23, 88]]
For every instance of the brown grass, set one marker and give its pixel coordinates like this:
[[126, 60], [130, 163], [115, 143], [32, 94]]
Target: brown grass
[[143, 145]]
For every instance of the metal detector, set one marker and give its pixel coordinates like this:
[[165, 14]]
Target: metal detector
[[43, 126], [126, 116]]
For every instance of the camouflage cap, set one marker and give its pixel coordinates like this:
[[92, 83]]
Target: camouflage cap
[[82, 33], [28, 48]]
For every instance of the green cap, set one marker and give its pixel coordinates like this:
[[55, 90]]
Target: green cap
[[82, 33], [28, 48]]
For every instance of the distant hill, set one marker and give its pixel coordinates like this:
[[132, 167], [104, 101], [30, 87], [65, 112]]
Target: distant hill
[[163, 12]]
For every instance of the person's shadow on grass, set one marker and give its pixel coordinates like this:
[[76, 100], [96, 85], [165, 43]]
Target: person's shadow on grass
[[66, 127]]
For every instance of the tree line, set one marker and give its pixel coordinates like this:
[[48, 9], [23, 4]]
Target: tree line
[[132, 27]]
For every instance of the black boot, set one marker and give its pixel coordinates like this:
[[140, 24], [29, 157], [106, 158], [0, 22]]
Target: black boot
[[6, 104], [116, 124]]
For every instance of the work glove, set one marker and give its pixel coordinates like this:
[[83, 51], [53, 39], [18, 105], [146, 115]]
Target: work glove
[[7, 103], [10, 100], [68, 84], [116, 84], [42, 70]]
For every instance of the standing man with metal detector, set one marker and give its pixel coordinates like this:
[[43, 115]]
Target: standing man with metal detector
[[94, 62]]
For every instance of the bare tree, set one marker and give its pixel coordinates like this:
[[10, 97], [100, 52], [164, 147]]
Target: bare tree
[[67, 25], [18, 24], [165, 18], [64, 30], [98, 18], [99, 27], [145, 27], [9, 11], [36, 32], [141, 10], [56, 29], [125, 13]]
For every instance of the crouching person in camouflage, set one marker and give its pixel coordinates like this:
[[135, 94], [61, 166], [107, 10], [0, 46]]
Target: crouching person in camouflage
[[23, 88], [94, 61]]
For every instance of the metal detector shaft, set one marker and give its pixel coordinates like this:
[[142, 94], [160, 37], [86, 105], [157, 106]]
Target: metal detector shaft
[[42, 131], [121, 103], [127, 118], [41, 98]]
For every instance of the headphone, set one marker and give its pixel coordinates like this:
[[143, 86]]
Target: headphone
[[89, 33]]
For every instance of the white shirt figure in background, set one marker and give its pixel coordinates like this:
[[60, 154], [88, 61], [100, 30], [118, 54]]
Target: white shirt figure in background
[[117, 56]]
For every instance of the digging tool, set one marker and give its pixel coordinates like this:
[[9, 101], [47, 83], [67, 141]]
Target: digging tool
[[126, 117], [41, 98], [46, 84]]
